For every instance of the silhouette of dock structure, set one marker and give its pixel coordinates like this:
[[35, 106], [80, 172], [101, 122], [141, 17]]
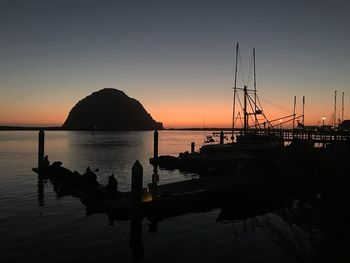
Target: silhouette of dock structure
[[240, 195], [153, 201], [204, 193], [314, 135]]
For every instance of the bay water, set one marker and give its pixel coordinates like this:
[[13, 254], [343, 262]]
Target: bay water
[[51, 228]]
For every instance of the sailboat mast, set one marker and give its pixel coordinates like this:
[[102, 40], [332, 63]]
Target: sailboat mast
[[245, 110], [255, 108], [234, 94], [342, 107], [335, 109], [295, 104], [303, 110]]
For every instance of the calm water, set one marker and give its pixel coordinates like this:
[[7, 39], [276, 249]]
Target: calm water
[[59, 230]]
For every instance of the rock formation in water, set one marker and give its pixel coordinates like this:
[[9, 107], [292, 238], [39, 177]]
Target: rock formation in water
[[110, 109]]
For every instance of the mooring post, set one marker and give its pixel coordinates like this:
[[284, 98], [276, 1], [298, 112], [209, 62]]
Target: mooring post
[[221, 137], [192, 147], [155, 147], [136, 187], [41, 149]]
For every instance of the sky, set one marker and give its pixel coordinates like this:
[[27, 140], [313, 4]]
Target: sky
[[175, 57]]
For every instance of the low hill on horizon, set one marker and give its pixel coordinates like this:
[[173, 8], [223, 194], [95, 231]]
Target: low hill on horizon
[[110, 110]]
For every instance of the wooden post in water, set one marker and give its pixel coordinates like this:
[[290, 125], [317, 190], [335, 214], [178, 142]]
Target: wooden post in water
[[155, 147], [136, 187], [192, 147], [221, 137], [41, 149]]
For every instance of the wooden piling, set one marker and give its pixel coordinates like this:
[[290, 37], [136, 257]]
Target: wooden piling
[[41, 148], [192, 147], [221, 137], [155, 147], [136, 186]]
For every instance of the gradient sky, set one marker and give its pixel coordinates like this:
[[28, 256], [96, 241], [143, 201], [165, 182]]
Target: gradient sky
[[175, 57]]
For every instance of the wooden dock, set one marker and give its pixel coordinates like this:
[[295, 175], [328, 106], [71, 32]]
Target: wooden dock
[[249, 191], [157, 202], [315, 135]]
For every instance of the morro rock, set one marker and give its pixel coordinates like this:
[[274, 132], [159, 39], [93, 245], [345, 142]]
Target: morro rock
[[110, 110]]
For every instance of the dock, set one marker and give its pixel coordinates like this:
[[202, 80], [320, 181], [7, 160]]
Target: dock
[[313, 136], [167, 200], [248, 190]]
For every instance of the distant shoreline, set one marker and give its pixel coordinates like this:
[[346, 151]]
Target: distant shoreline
[[22, 128]]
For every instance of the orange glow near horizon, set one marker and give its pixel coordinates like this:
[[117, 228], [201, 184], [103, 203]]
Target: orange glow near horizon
[[34, 115], [181, 116], [172, 113]]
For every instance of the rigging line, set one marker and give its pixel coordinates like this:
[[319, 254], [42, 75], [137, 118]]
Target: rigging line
[[266, 120], [240, 118], [240, 103], [234, 91], [281, 118], [276, 105], [250, 70], [239, 115], [233, 109], [251, 107], [259, 103], [257, 107], [240, 62], [263, 113]]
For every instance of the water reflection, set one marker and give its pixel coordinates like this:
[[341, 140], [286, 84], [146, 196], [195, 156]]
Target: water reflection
[[135, 241], [71, 232], [41, 194], [271, 232]]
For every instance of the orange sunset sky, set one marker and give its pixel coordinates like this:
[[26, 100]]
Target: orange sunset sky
[[176, 58]]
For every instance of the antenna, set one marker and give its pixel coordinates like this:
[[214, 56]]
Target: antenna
[[303, 120]]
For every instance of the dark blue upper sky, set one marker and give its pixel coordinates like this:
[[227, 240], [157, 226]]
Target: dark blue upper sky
[[169, 54]]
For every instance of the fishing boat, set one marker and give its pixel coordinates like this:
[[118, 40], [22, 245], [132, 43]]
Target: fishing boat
[[257, 133], [257, 140]]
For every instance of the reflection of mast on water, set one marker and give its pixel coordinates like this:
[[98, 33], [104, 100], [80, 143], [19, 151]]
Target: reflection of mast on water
[[135, 242], [41, 194], [41, 162]]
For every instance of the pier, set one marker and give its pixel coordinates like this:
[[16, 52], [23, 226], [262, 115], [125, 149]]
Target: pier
[[312, 136], [164, 200], [249, 189]]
